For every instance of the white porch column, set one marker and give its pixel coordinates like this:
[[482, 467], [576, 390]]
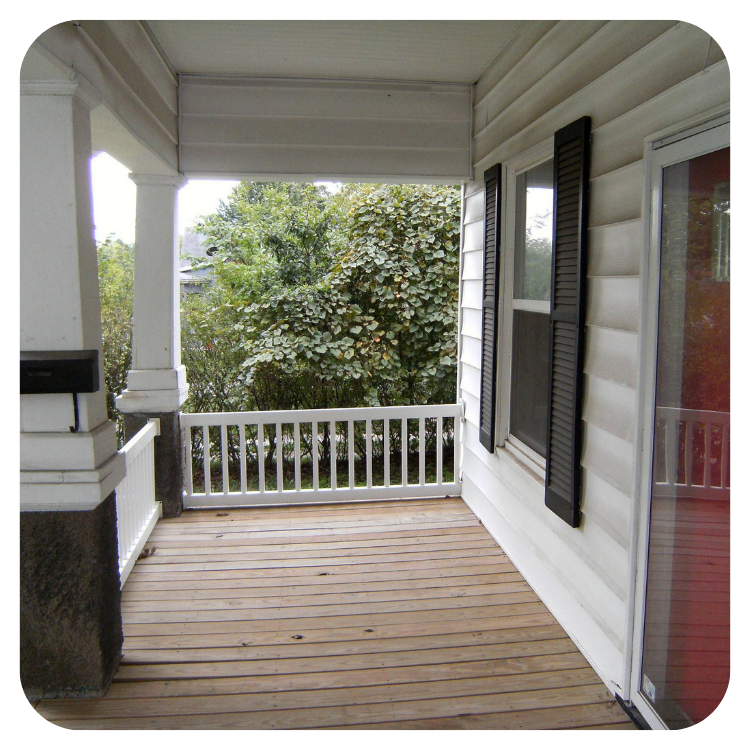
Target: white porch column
[[156, 382], [61, 469], [71, 627]]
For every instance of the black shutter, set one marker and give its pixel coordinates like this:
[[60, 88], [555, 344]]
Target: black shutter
[[567, 321], [487, 408]]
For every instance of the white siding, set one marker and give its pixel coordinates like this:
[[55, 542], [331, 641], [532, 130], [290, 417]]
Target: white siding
[[633, 79], [238, 127]]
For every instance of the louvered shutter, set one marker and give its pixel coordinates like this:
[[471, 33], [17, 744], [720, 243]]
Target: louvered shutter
[[567, 319], [487, 408]]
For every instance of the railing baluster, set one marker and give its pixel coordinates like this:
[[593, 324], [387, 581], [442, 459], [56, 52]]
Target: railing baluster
[[243, 459], [724, 454], [386, 453], [456, 448], [350, 451], [188, 437], [404, 452], [422, 451], [315, 446], [261, 458], [224, 460], [297, 468], [707, 451], [368, 450], [279, 458], [334, 478], [206, 461], [688, 452], [668, 448], [439, 451]]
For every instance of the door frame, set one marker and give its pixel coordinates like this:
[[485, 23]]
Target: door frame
[[685, 141]]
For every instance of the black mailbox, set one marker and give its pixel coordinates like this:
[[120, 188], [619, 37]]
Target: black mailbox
[[60, 372]]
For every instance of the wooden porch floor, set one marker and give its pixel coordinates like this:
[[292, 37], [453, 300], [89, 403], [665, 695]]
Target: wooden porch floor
[[393, 615]]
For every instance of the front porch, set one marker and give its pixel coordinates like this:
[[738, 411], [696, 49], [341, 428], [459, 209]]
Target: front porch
[[380, 615]]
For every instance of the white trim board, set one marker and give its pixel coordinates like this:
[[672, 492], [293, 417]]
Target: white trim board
[[713, 136]]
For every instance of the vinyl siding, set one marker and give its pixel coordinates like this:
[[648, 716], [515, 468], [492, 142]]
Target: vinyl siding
[[633, 79], [324, 129]]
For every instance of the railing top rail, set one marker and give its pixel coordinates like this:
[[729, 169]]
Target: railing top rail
[[696, 415], [140, 440], [321, 415]]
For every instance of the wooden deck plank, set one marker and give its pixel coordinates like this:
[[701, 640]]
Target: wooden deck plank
[[323, 509], [564, 717], [322, 697], [212, 547], [419, 552], [398, 614], [332, 576], [300, 514], [496, 562], [273, 602], [169, 670], [311, 718], [369, 620], [326, 635], [282, 597], [182, 554], [325, 610], [312, 586], [345, 678], [247, 650], [315, 522], [320, 537]]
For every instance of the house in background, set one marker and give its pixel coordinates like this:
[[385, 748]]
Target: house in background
[[196, 274], [594, 318]]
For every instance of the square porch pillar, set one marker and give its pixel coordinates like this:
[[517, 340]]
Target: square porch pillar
[[156, 383], [71, 628]]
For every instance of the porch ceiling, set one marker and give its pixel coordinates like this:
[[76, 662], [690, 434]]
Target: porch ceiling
[[439, 51]]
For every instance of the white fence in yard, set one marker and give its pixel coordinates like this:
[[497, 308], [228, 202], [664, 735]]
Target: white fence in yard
[[137, 509], [233, 458], [691, 453]]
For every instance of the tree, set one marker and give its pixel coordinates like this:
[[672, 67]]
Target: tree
[[116, 297], [380, 326]]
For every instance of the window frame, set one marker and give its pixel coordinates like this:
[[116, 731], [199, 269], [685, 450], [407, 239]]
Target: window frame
[[529, 159]]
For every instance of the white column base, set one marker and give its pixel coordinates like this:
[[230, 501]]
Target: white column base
[[153, 391], [71, 489], [148, 402]]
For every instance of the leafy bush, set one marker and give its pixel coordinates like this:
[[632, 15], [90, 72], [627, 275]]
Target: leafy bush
[[318, 300], [116, 297]]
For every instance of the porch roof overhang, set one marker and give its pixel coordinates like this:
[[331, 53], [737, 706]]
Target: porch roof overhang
[[339, 100]]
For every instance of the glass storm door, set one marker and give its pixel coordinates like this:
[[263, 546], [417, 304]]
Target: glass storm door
[[685, 647]]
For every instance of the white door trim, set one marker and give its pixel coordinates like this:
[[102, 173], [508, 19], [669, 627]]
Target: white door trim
[[713, 136]]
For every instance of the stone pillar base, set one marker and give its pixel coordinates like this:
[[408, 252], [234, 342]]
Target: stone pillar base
[[169, 457], [71, 626]]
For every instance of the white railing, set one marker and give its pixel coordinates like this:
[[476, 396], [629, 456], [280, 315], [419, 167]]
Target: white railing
[[691, 453], [383, 452], [137, 509]]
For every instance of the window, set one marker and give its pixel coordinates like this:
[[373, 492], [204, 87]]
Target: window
[[532, 273], [534, 311]]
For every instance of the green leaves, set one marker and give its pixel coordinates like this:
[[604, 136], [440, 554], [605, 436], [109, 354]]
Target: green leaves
[[327, 300]]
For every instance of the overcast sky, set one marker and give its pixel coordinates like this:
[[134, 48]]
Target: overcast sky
[[114, 199]]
